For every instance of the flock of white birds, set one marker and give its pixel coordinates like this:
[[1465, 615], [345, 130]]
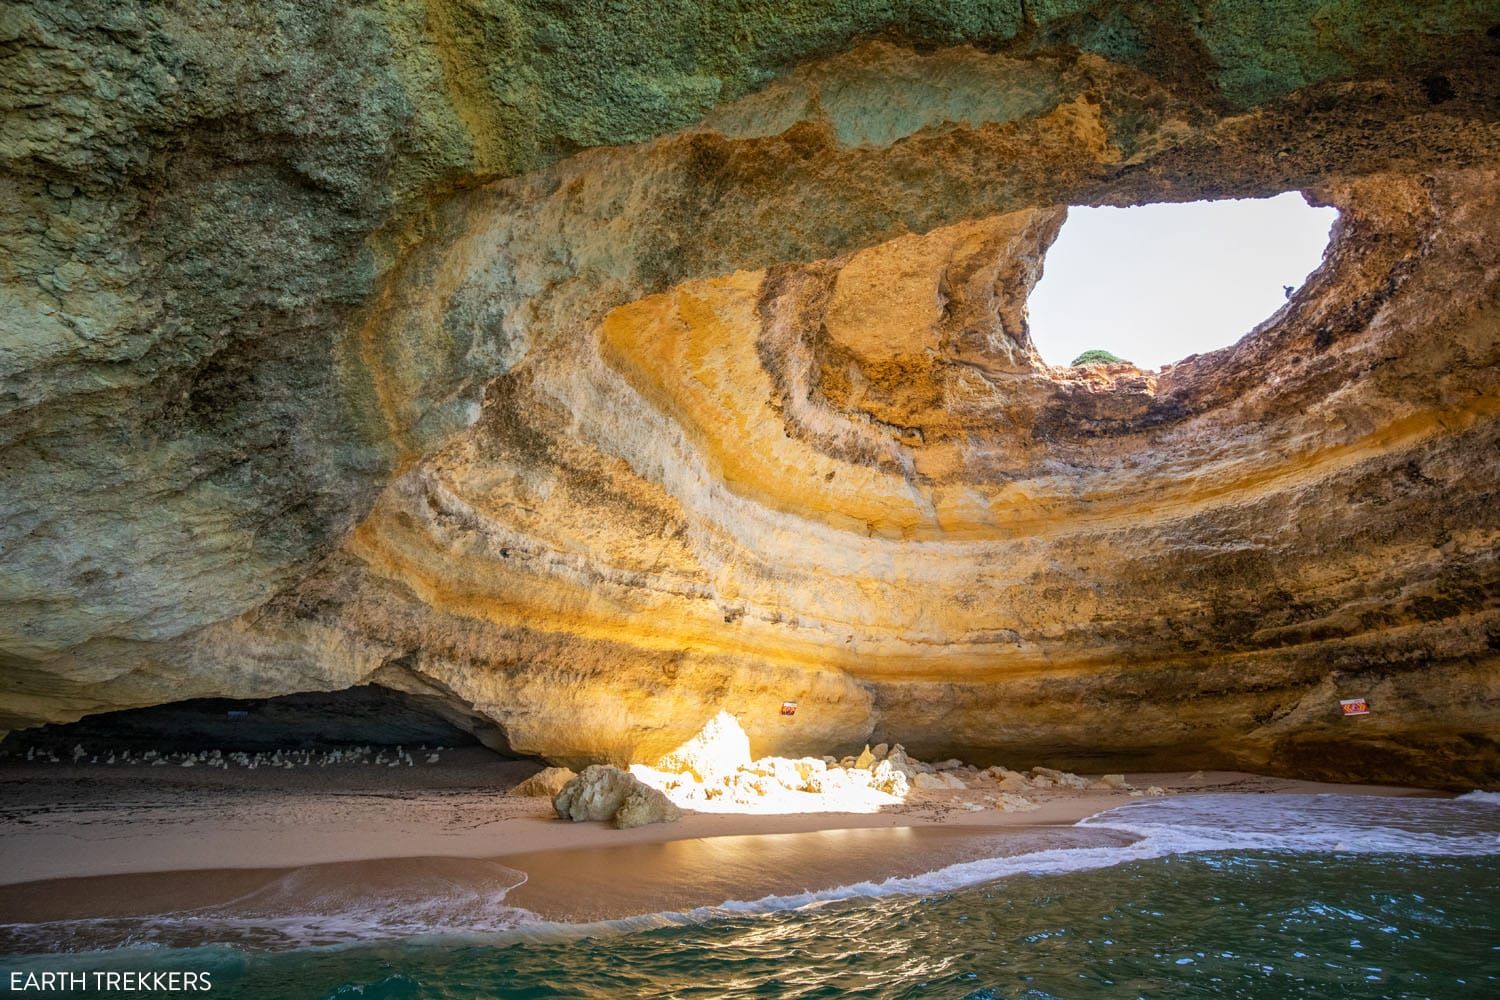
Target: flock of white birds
[[398, 756]]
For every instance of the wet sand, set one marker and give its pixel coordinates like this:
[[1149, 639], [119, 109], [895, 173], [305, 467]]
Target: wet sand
[[578, 885], [605, 883], [59, 821], [247, 847]]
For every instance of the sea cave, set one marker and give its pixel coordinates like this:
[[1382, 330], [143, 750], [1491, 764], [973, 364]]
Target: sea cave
[[642, 404]]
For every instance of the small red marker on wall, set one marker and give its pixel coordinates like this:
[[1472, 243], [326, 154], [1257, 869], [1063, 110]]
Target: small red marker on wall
[[1354, 706], [789, 708]]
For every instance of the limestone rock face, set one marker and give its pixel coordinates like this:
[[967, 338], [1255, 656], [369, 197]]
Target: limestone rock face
[[547, 783], [375, 344]]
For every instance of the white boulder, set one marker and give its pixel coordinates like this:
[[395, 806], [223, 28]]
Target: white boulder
[[602, 792], [885, 778]]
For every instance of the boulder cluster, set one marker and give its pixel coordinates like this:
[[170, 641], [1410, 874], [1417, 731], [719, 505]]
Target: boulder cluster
[[955, 775], [714, 773], [702, 775], [773, 777]]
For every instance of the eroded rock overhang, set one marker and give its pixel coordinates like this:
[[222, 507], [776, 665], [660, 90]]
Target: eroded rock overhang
[[749, 413]]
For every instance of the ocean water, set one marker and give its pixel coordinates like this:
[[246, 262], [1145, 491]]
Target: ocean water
[[1240, 896]]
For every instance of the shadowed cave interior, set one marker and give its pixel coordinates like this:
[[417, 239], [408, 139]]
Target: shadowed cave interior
[[367, 714]]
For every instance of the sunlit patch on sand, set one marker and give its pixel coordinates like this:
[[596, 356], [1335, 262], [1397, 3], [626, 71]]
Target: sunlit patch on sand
[[714, 772]]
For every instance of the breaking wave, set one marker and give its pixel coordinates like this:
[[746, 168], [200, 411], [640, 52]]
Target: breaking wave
[[1331, 823], [308, 907], [465, 898]]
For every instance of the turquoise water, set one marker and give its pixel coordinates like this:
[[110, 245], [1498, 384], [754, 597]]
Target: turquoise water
[[1249, 897]]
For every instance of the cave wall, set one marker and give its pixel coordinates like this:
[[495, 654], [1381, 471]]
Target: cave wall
[[600, 370]]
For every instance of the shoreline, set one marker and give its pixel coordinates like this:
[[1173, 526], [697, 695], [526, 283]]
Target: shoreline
[[187, 849], [578, 885], [188, 822]]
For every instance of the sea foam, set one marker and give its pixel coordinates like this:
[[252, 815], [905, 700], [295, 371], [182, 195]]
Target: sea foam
[[441, 903], [1350, 824], [1332, 823]]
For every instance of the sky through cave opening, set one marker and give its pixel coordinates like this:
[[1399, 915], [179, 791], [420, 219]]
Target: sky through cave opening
[[1153, 284]]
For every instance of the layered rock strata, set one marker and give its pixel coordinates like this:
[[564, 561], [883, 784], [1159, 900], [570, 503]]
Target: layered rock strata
[[600, 383]]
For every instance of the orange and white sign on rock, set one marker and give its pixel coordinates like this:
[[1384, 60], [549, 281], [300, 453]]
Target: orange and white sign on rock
[[1354, 706]]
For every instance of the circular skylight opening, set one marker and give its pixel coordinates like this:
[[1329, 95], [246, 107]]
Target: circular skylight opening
[[1155, 283]]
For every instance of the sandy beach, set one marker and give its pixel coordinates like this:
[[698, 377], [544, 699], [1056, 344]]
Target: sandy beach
[[127, 842]]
